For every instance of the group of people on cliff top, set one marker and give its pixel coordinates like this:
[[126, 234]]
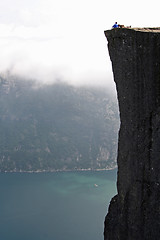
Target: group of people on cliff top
[[116, 25]]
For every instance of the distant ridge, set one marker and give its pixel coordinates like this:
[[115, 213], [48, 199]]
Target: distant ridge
[[56, 127]]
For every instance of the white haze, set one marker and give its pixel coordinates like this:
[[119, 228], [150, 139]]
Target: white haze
[[52, 40]]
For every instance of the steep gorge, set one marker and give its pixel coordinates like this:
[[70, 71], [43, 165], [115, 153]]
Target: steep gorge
[[134, 213]]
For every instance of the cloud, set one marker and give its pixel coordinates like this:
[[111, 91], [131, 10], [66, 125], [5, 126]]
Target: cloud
[[50, 40], [57, 39], [36, 52]]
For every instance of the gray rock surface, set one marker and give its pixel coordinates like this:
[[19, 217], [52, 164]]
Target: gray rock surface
[[134, 213]]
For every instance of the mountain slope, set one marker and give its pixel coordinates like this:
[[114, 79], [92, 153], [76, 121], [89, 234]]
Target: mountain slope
[[56, 127]]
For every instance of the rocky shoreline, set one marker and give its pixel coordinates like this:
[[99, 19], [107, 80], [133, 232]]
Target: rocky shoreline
[[61, 170]]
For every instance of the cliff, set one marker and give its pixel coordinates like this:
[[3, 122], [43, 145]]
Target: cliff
[[134, 213]]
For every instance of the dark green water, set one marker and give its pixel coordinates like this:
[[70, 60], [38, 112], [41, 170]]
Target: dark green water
[[55, 206]]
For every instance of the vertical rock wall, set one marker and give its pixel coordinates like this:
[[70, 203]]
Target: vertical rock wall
[[134, 214]]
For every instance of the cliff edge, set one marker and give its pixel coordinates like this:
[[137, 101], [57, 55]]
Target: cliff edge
[[134, 213]]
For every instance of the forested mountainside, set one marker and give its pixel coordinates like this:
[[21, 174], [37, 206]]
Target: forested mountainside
[[56, 127]]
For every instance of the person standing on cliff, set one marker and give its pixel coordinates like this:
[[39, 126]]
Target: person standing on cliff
[[115, 25]]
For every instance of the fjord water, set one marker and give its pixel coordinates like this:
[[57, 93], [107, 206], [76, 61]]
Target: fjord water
[[55, 206]]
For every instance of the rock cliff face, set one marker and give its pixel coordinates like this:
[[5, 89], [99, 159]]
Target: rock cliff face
[[134, 213]]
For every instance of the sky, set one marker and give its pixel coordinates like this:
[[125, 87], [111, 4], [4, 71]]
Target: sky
[[52, 40]]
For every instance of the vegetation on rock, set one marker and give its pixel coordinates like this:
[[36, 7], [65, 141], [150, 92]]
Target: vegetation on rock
[[56, 127]]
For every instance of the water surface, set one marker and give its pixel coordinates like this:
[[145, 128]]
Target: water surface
[[55, 206]]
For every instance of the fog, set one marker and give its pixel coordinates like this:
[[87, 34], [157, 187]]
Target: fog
[[57, 40], [76, 61]]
